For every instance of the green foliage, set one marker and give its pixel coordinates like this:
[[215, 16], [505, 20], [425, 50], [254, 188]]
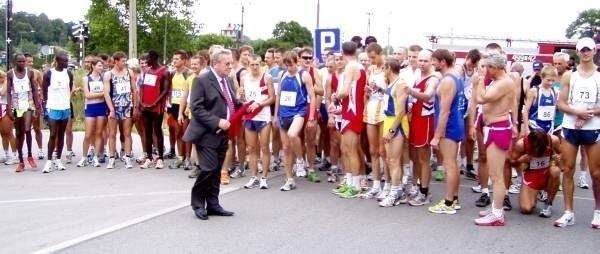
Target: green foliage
[[584, 25], [107, 33], [293, 33], [206, 40], [261, 46], [45, 31]]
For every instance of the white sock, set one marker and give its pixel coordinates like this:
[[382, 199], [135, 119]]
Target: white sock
[[377, 184], [404, 179], [497, 212], [328, 159], [583, 173], [387, 186], [299, 161], [463, 161], [348, 178], [356, 182], [506, 192], [485, 190]]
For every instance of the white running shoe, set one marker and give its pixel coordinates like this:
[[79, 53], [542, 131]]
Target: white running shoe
[[582, 182], [127, 161], [476, 189], [263, 183], [301, 171], [596, 220], [59, 165], [159, 164], [68, 157], [567, 219], [382, 194], [147, 163], [289, 185], [95, 162], [48, 166], [546, 212], [371, 193], [490, 220], [111, 163], [41, 155], [12, 160], [82, 162], [514, 189], [390, 200], [252, 183]]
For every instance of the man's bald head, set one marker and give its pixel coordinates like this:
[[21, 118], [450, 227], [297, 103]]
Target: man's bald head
[[424, 60], [517, 67]]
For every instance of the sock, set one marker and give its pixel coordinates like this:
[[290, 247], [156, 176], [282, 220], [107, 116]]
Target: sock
[[455, 198], [348, 178], [311, 170], [404, 179], [485, 191], [299, 161], [463, 161], [356, 182], [497, 212], [448, 202], [583, 173], [519, 180], [328, 159], [377, 184], [506, 193], [387, 186], [395, 189], [424, 190]]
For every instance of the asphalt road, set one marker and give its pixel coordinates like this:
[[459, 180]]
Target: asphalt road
[[95, 210]]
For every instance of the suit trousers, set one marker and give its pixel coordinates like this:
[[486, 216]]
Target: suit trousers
[[205, 193]]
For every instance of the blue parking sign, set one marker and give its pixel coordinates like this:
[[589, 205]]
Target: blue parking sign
[[326, 39]]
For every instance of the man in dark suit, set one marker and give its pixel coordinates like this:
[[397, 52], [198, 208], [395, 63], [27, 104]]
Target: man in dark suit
[[212, 103]]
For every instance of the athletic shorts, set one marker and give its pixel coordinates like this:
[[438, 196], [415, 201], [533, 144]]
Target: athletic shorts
[[286, 122], [123, 113], [499, 133], [323, 115], [422, 130], [402, 129], [255, 126], [536, 179], [355, 125], [173, 111], [95, 110], [581, 137], [59, 115], [17, 113]]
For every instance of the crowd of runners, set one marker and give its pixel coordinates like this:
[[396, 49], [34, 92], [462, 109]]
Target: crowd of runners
[[380, 126]]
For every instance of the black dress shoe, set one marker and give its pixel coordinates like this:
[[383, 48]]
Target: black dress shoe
[[219, 212], [201, 213]]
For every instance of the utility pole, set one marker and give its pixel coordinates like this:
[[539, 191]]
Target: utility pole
[[318, 12], [369, 23], [9, 6], [133, 28], [242, 26], [165, 36]]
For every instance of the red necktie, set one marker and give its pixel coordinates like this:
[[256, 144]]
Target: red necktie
[[227, 97]]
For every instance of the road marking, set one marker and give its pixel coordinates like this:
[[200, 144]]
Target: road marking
[[32, 200], [129, 223]]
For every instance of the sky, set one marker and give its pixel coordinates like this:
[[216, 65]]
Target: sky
[[408, 22]]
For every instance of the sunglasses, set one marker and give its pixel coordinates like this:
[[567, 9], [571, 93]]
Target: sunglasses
[[307, 57]]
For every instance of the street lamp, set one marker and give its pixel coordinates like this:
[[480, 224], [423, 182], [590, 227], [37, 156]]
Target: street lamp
[[21, 39]]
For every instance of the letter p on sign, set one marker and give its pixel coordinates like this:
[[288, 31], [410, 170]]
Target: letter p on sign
[[326, 39]]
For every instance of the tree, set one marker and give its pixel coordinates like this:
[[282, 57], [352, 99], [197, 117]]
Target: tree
[[107, 33], [260, 46], [585, 25], [207, 40], [293, 33]]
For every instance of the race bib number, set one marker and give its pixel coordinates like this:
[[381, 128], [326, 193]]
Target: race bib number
[[546, 113], [539, 163], [585, 94], [150, 80], [288, 99], [96, 86], [22, 87], [123, 88], [468, 92], [252, 94], [176, 93]]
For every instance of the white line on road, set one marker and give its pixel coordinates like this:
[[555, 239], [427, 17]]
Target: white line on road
[[129, 223], [31, 200]]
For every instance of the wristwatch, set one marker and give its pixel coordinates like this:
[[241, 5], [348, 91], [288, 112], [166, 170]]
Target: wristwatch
[[392, 131]]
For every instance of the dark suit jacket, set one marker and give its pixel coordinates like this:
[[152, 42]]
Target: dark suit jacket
[[208, 106]]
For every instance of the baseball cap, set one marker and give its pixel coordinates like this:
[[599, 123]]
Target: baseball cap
[[370, 39], [538, 65], [585, 42]]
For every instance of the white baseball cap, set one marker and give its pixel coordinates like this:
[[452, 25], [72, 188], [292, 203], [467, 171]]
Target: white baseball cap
[[585, 42]]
